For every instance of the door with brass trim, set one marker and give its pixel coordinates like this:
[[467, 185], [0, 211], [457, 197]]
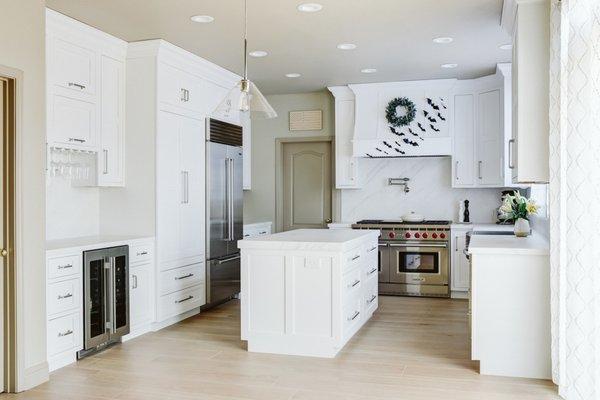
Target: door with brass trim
[[306, 185]]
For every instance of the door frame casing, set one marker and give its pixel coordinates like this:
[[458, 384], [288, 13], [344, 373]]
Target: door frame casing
[[13, 337], [335, 194]]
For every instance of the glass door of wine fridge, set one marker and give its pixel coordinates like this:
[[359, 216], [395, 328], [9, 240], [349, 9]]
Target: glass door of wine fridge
[[106, 297]]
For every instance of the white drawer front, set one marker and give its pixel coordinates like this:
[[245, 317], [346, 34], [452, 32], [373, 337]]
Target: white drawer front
[[181, 278], [352, 316], [370, 269], [141, 253], [182, 301], [353, 258], [64, 296], [64, 266], [64, 334], [352, 284], [371, 298]]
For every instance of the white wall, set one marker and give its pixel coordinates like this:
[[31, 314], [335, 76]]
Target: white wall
[[71, 211], [22, 47], [430, 193]]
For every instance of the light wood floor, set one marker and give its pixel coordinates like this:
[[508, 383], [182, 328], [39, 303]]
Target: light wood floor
[[413, 348]]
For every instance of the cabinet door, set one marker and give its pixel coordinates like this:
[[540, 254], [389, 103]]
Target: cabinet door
[[72, 66], [345, 167], [191, 161], [460, 264], [140, 295], [490, 139], [464, 141], [169, 188], [112, 96], [72, 122]]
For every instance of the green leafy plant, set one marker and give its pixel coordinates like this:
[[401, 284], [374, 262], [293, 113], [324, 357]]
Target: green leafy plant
[[516, 206]]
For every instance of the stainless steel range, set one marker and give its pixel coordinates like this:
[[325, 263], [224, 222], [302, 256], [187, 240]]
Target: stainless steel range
[[413, 257]]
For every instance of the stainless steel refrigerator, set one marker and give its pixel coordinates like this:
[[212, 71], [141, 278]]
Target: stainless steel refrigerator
[[224, 210]]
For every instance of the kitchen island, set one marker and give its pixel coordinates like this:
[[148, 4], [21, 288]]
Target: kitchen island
[[308, 291], [510, 305]]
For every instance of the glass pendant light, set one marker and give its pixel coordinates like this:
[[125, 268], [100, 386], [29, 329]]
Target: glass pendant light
[[245, 97]]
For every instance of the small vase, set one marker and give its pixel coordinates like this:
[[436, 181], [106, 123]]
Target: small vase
[[522, 228]]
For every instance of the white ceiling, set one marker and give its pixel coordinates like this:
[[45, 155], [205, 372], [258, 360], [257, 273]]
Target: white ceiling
[[394, 36]]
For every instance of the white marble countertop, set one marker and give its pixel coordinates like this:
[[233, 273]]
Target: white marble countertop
[[481, 227], [534, 244], [310, 239], [93, 242]]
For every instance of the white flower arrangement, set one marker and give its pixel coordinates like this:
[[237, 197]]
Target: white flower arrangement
[[516, 206]]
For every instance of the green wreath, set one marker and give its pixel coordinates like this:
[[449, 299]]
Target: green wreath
[[400, 120]]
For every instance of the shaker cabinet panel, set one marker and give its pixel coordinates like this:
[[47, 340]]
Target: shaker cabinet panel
[[141, 295], [460, 264], [72, 122], [464, 140], [72, 66], [490, 135]]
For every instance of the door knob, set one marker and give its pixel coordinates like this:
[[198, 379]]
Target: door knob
[[3, 252], [328, 221]]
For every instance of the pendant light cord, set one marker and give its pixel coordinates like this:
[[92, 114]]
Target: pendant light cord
[[245, 39]]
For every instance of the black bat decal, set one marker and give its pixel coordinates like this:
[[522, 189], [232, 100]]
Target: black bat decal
[[408, 141], [434, 128], [421, 127], [400, 151], [387, 144], [440, 115], [368, 155], [425, 113], [378, 149], [432, 104], [431, 119], [398, 143], [395, 132]]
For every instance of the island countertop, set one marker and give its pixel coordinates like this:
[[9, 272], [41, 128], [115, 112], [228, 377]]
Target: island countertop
[[534, 244], [310, 239]]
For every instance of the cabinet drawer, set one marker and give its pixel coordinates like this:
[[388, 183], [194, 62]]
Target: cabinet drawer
[[64, 266], [72, 67], [181, 278], [72, 122], [371, 298], [352, 315], [64, 334], [64, 296], [352, 259], [370, 271], [352, 284], [181, 301], [140, 253]]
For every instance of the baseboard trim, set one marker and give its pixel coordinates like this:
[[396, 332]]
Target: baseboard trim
[[34, 376], [157, 326], [459, 295]]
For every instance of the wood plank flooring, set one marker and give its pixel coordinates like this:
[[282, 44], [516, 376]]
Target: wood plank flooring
[[413, 348]]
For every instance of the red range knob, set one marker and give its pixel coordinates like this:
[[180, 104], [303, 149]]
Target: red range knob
[[391, 235], [407, 235], [417, 235], [442, 235], [434, 235], [425, 235]]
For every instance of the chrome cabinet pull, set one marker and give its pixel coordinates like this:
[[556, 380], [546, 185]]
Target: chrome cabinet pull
[[105, 162], [65, 266], [353, 317], [372, 248], [479, 167], [262, 233], [77, 140], [371, 272], [135, 282], [66, 296], [178, 278], [356, 257], [456, 170], [182, 187], [77, 85], [184, 300], [511, 164], [182, 94], [65, 333], [356, 282], [143, 253], [373, 297]]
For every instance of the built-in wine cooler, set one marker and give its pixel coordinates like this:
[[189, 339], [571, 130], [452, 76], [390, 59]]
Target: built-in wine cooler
[[106, 298]]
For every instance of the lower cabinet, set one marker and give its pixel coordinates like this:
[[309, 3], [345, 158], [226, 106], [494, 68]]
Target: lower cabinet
[[459, 271], [141, 295]]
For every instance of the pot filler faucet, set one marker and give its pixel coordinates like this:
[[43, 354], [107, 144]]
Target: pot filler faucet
[[400, 182]]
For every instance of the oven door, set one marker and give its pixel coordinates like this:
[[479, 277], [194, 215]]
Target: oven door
[[419, 263]]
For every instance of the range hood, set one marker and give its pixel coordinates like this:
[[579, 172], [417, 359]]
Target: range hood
[[427, 135]]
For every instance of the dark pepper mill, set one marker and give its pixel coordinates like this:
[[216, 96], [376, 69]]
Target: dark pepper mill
[[466, 213]]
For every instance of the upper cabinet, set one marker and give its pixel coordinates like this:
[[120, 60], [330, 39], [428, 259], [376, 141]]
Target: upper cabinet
[[529, 146], [86, 94], [346, 165]]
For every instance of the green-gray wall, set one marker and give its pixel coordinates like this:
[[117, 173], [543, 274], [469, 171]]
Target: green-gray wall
[[259, 203]]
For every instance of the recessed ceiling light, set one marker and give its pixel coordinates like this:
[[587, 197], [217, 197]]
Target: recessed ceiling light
[[368, 70], [443, 40], [310, 7], [346, 46], [203, 19], [506, 46], [258, 53], [449, 65], [293, 75]]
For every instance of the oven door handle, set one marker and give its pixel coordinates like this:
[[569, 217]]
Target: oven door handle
[[441, 245]]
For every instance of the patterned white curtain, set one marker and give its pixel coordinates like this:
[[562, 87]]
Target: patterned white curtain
[[575, 197]]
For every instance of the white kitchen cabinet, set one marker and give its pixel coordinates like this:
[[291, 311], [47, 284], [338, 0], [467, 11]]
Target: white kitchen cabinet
[[112, 122], [346, 165], [86, 94], [464, 140], [460, 265], [141, 296], [489, 139], [529, 146]]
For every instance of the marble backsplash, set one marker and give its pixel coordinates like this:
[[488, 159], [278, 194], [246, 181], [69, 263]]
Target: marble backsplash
[[431, 193]]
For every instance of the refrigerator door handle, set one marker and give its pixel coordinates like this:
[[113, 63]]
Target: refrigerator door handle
[[227, 200], [113, 299], [231, 212], [108, 289]]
